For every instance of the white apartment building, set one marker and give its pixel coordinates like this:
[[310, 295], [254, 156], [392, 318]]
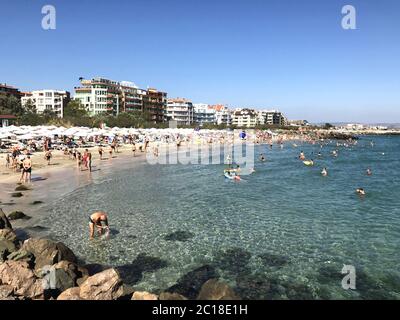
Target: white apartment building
[[223, 115], [244, 118], [204, 114], [99, 95], [51, 100], [180, 110]]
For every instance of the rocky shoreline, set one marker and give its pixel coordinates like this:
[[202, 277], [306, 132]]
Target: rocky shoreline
[[41, 269]]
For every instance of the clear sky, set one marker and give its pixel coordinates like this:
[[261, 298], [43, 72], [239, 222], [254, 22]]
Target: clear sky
[[287, 54]]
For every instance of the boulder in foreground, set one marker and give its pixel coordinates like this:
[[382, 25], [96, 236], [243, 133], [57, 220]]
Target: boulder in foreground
[[216, 290], [106, 285]]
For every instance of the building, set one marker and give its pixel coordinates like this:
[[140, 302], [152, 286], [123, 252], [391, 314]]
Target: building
[[244, 118], [51, 100], [6, 119], [155, 105], [270, 117], [9, 91], [204, 114], [180, 110], [298, 123], [131, 97], [223, 115], [99, 95]]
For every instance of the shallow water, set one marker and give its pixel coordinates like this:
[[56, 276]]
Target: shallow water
[[283, 233]]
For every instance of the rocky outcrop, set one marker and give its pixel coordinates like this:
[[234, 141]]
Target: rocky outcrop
[[106, 285], [6, 292], [70, 294], [171, 296], [6, 247], [17, 275], [143, 295], [216, 290], [4, 222], [8, 234], [47, 252], [22, 255]]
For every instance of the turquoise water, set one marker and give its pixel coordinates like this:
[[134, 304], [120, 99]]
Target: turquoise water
[[283, 233]]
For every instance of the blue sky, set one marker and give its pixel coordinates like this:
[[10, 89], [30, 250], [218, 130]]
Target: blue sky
[[287, 54]]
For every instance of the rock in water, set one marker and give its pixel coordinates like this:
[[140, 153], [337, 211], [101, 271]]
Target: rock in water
[[37, 202], [23, 281], [16, 194], [216, 290], [48, 252], [15, 215], [179, 236], [70, 294], [22, 188], [273, 260], [190, 284], [106, 285], [4, 222], [143, 295]]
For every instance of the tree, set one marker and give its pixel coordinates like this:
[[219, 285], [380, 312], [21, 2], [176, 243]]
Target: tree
[[75, 109], [29, 107], [328, 126], [10, 105]]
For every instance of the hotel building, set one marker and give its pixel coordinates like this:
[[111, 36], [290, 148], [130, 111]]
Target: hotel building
[[180, 110], [204, 114], [244, 118], [9, 91], [223, 115], [155, 105], [52, 100]]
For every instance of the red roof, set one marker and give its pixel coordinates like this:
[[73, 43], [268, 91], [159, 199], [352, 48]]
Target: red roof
[[7, 116]]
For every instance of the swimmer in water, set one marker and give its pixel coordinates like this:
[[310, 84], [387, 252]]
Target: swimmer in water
[[98, 219], [319, 155], [361, 191], [369, 172], [302, 156], [262, 157], [324, 172]]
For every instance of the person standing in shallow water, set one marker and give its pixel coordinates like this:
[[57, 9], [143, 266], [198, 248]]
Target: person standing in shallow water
[[98, 220]]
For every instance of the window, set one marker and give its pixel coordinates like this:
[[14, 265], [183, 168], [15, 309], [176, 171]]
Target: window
[[49, 94]]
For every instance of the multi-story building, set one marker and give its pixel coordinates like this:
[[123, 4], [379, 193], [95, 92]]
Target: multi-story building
[[244, 118], [131, 97], [204, 114], [51, 100], [99, 95], [9, 91], [270, 117], [155, 105], [223, 115], [180, 110]]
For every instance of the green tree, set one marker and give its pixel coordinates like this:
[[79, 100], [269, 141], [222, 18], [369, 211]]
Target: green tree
[[74, 109], [10, 105]]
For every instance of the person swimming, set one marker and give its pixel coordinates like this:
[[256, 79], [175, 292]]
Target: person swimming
[[98, 219], [369, 172], [302, 156], [324, 172], [361, 191], [319, 155], [262, 157]]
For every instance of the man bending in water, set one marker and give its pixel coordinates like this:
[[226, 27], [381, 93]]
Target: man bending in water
[[98, 219]]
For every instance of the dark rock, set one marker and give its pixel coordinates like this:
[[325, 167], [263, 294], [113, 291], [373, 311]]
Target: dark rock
[[16, 194], [133, 273], [37, 228], [95, 268], [48, 252], [179, 236], [190, 284], [37, 202], [15, 215], [254, 287], [299, 291], [234, 261], [273, 260], [22, 188], [329, 274], [4, 222], [6, 247]]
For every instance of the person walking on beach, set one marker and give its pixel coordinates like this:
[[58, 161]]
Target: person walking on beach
[[99, 220], [134, 148], [27, 169], [88, 160], [48, 157], [8, 160], [101, 153]]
